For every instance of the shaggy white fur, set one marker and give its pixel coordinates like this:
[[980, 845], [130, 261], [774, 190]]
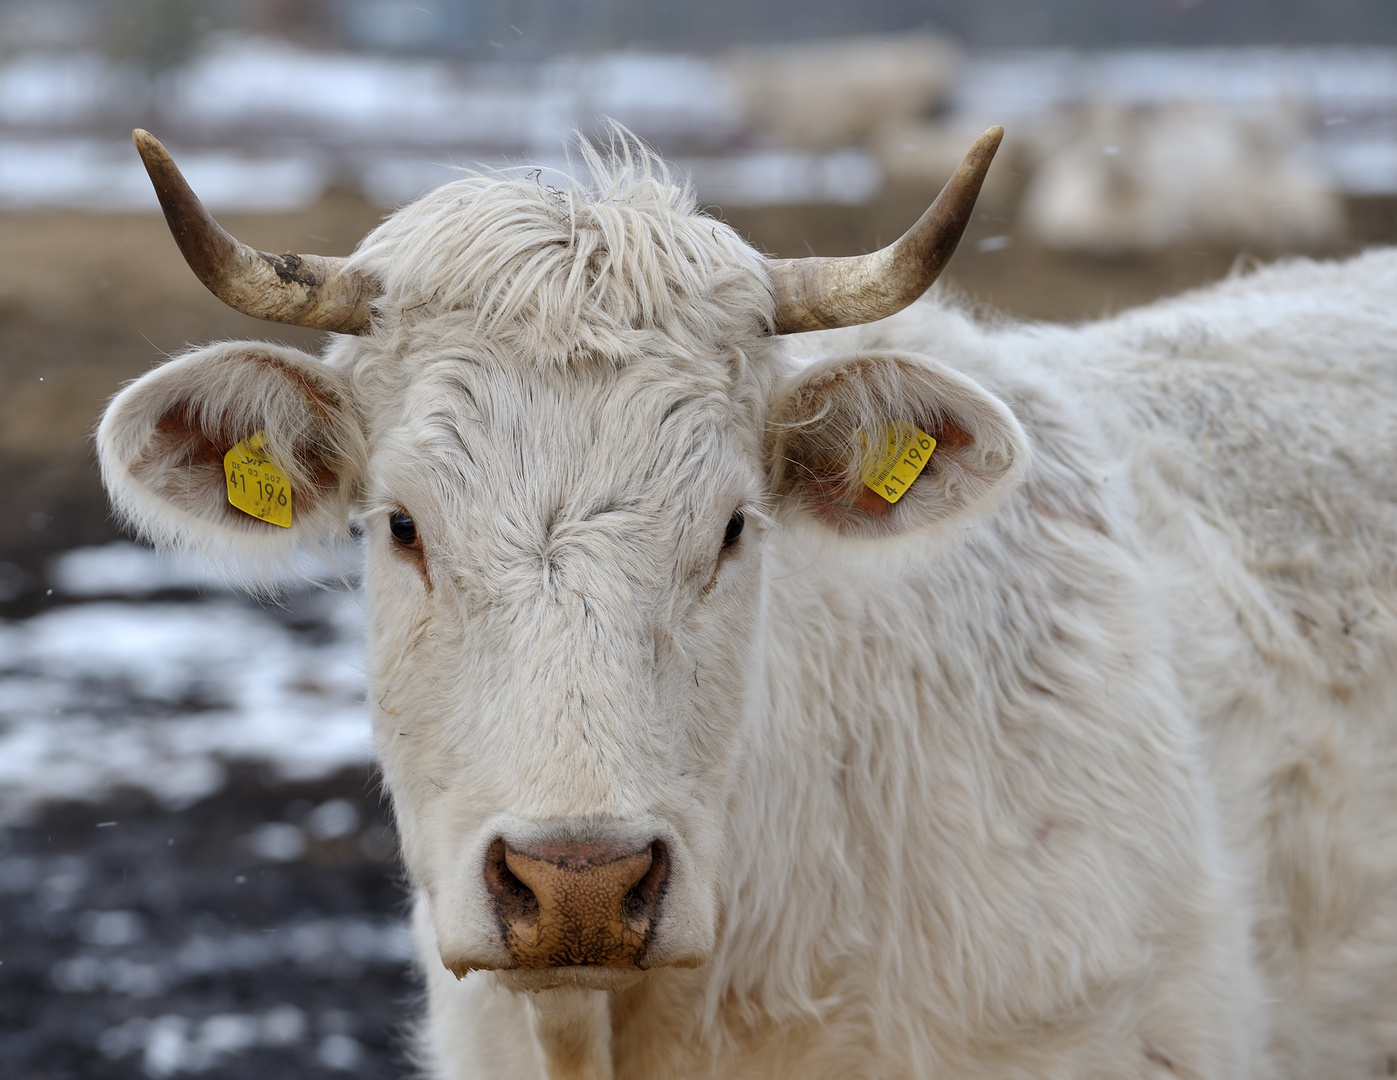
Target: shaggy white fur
[[1076, 762]]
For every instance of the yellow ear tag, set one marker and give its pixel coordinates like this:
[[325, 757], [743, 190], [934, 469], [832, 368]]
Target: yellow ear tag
[[909, 449], [256, 484]]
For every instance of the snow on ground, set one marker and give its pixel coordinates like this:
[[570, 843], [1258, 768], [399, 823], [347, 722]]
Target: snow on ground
[[106, 174], [260, 124], [123, 690], [1342, 99], [249, 927], [255, 935], [337, 946]]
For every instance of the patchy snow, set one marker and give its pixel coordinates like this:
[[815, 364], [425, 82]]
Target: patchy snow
[[774, 177], [172, 1044], [106, 174], [336, 947], [242, 83], [1020, 84], [43, 88], [122, 568], [258, 123], [118, 692], [118, 960]]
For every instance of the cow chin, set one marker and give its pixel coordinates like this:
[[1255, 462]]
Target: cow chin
[[579, 976], [574, 978], [572, 903]]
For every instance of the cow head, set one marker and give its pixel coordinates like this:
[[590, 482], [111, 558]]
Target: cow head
[[563, 421]]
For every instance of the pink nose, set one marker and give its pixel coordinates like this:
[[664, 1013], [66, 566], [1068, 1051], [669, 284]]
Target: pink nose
[[564, 904]]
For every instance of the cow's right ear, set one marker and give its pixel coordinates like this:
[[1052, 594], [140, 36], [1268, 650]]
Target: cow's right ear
[[163, 441], [829, 431]]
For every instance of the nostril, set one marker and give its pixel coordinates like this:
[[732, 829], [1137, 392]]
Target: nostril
[[641, 905], [514, 900]]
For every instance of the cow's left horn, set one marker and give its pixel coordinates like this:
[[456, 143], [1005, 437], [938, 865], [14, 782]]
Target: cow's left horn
[[821, 294], [304, 290]]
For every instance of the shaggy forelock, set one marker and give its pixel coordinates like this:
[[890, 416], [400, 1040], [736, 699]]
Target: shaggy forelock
[[559, 266]]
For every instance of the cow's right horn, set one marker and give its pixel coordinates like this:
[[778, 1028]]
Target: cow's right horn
[[304, 290], [821, 294]]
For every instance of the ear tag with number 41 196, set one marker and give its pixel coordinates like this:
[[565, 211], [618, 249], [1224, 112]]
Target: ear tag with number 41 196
[[908, 450], [256, 484]]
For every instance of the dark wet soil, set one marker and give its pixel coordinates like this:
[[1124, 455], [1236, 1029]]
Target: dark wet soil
[[257, 934]]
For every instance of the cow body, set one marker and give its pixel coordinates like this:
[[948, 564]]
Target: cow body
[[1076, 762], [1101, 785], [1114, 180]]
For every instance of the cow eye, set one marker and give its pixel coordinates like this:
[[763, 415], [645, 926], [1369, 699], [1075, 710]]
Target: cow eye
[[734, 529], [402, 528]]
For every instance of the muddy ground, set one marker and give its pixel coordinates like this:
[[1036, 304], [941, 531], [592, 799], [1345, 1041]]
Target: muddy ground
[[258, 932], [141, 942]]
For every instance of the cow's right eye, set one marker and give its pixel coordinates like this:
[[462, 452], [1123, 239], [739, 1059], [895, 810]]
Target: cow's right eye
[[402, 528]]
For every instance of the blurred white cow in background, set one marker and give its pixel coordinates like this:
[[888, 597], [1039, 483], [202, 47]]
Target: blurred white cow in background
[[722, 742], [822, 94], [1115, 179]]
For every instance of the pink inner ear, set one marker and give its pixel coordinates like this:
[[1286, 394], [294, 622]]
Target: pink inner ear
[[949, 436], [838, 501], [182, 462], [870, 503], [178, 439]]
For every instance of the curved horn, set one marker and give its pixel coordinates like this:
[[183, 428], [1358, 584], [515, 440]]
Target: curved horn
[[304, 290], [821, 294]]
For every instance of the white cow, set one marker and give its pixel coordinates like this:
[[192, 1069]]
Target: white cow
[[1078, 760], [824, 94], [1116, 180]]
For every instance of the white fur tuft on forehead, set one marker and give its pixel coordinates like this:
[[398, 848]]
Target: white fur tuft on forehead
[[562, 266]]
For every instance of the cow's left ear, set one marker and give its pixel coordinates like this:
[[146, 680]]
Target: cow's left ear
[[834, 427]]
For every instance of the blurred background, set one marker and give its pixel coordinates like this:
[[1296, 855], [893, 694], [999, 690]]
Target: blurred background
[[196, 873]]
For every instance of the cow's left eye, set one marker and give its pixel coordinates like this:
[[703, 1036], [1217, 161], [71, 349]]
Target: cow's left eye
[[734, 529], [403, 528]]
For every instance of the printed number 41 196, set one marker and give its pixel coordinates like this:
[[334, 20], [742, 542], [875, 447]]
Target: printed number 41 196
[[256, 485]]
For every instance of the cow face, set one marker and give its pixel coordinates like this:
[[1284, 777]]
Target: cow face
[[562, 564], [567, 438]]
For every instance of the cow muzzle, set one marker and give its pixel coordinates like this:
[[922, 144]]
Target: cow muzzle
[[568, 904]]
